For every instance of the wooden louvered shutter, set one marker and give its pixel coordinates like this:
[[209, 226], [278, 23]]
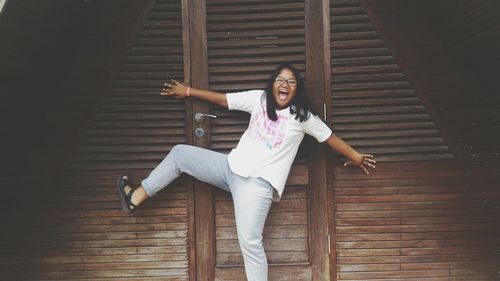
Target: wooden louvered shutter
[[246, 41], [374, 106], [136, 126], [381, 220], [88, 234]]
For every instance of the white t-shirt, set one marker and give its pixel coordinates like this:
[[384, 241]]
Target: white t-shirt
[[267, 148]]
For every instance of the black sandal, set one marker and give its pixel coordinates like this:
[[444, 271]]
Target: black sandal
[[126, 197]]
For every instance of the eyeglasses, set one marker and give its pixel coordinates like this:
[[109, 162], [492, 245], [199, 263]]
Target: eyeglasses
[[280, 80]]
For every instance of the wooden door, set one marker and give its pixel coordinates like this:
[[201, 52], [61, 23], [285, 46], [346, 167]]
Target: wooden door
[[237, 49]]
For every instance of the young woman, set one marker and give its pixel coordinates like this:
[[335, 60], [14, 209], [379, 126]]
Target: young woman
[[255, 171]]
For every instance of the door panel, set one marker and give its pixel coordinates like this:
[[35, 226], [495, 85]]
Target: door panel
[[245, 43]]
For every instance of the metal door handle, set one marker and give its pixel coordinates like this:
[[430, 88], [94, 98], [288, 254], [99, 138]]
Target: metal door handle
[[198, 117]]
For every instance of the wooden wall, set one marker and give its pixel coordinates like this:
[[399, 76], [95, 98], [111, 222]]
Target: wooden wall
[[73, 228], [376, 104], [111, 30], [38, 41], [417, 221], [56, 58], [78, 231], [432, 220], [460, 39], [470, 31]]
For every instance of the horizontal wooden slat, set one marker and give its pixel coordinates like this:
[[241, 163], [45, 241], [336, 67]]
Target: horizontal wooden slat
[[268, 25], [236, 259], [298, 272], [255, 17], [428, 213], [369, 90], [243, 8], [346, 59]]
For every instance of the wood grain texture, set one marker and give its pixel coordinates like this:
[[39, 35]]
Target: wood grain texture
[[428, 220], [318, 84], [77, 229], [203, 193]]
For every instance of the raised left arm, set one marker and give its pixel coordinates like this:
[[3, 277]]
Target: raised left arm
[[356, 159]]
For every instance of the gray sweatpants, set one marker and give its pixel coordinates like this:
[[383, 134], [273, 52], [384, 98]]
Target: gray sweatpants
[[252, 197]]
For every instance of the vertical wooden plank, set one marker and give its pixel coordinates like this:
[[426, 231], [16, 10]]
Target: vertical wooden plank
[[204, 214], [186, 43], [318, 85]]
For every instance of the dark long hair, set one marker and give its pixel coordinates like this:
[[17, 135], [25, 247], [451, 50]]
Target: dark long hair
[[300, 103]]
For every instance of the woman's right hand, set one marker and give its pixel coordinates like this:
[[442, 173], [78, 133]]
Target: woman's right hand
[[175, 89]]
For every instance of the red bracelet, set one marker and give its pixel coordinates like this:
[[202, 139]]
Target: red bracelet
[[187, 91]]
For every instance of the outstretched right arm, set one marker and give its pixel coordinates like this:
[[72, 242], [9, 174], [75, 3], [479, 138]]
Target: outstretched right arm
[[180, 91]]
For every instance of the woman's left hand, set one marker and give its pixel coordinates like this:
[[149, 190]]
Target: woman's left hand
[[365, 160]]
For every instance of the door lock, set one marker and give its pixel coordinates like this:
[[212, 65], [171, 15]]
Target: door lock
[[199, 133]]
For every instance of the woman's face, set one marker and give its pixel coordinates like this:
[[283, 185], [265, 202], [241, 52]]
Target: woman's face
[[284, 88]]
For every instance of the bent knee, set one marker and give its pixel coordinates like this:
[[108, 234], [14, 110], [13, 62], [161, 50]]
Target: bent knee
[[178, 147]]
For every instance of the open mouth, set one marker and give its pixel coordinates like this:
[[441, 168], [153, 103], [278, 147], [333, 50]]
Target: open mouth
[[283, 94]]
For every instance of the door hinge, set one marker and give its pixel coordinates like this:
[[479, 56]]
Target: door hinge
[[329, 244], [324, 112]]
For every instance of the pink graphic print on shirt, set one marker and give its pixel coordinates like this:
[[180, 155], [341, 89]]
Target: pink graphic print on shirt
[[271, 133]]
